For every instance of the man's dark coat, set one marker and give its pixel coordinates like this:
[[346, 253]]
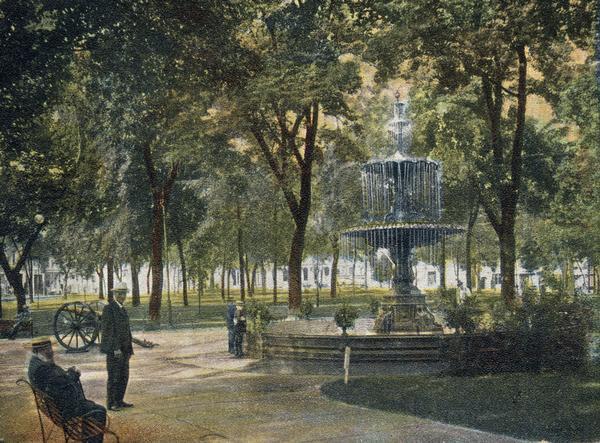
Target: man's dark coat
[[116, 336], [61, 386], [116, 333]]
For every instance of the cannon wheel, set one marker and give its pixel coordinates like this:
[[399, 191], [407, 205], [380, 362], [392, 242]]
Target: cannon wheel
[[76, 326]]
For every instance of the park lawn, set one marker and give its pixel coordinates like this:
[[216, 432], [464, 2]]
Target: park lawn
[[210, 313], [546, 406]]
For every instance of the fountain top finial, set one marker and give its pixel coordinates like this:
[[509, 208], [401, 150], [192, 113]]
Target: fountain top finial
[[401, 127]]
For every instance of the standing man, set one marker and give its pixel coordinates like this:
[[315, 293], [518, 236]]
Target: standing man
[[239, 330], [116, 344], [231, 326]]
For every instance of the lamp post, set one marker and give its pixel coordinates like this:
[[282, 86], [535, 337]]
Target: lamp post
[[169, 309], [39, 220]]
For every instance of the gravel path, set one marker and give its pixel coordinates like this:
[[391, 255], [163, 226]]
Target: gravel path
[[188, 389]]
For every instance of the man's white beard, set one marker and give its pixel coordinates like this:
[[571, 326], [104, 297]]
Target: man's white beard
[[44, 358]]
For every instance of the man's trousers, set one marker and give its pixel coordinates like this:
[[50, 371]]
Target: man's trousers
[[118, 377]]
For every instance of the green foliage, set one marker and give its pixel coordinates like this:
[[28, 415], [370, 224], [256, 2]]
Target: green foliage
[[259, 316], [549, 334], [465, 316], [374, 305], [306, 309], [345, 316]]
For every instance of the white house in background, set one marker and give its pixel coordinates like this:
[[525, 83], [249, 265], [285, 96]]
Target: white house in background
[[49, 280]]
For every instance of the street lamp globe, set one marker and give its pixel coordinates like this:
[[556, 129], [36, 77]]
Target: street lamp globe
[[39, 219]]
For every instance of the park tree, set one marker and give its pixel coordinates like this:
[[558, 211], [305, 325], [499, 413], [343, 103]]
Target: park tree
[[493, 48], [185, 212], [293, 75], [576, 209], [39, 40], [154, 68]]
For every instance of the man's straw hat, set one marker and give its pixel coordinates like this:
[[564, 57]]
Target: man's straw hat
[[40, 343]]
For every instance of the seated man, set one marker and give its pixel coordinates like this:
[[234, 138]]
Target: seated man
[[63, 387]]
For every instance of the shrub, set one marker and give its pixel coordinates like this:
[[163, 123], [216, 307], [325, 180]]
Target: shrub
[[547, 334], [374, 305], [464, 317], [556, 332], [259, 315], [345, 317], [306, 309]]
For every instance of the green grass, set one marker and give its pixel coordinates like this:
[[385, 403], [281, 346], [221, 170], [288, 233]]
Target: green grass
[[548, 406], [212, 309]]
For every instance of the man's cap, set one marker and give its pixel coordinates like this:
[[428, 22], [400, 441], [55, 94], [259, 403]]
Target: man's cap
[[40, 343]]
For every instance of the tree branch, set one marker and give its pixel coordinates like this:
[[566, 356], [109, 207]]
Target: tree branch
[[168, 186], [150, 170], [28, 246], [517, 148], [510, 92], [279, 175]]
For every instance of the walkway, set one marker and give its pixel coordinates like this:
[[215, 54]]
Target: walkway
[[188, 389]]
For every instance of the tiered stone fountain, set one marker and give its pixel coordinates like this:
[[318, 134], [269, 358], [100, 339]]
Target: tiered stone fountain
[[402, 207]]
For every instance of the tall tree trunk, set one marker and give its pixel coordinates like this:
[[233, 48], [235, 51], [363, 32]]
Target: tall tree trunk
[[473, 212], [100, 273], [263, 278], [229, 283], [13, 274], [247, 270], [240, 245], [211, 281], [110, 277], [183, 269], [1, 309], [65, 282], [135, 283], [335, 242], [299, 207], [29, 272], [156, 261], [274, 281], [316, 273], [443, 264], [148, 274], [507, 164], [507, 266], [200, 288], [253, 284], [223, 282], [295, 267], [16, 282], [160, 199]]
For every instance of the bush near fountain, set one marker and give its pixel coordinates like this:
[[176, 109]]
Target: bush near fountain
[[552, 333]]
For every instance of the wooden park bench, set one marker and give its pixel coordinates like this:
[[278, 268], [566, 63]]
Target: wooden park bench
[[75, 428]]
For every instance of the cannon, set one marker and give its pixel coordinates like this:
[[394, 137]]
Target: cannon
[[77, 327]]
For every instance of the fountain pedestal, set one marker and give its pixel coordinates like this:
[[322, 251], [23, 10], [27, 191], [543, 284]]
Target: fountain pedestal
[[406, 308], [408, 314]]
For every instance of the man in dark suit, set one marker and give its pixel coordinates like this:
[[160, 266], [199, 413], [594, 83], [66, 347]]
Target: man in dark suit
[[63, 387], [239, 330], [117, 345], [231, 326]]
